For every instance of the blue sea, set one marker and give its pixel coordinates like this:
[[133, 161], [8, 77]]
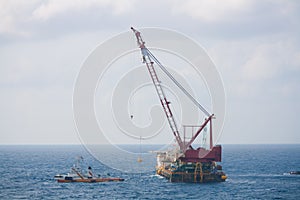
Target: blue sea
[[254, 172]]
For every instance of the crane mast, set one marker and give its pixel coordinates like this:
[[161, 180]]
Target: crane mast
[[162, 97], [149, 59]]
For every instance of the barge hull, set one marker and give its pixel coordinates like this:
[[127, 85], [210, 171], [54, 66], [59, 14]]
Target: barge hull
[[200, 172], [192, 177], [93, 180]]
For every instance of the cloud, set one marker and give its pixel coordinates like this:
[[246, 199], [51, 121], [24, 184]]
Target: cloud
[[12, 14], [262, 66], [232, 10], [218, 19], [33, 115], [24, 18], [255, 45], [213, 10], [44, 63], [53, 8], [270, 59]]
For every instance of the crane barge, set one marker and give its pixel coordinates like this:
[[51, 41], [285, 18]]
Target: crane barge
[[183, 164]]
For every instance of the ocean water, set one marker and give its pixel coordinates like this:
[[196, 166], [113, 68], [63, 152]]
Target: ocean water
[[254, 172]]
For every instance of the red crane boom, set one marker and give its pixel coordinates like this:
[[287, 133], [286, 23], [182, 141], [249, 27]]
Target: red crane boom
[[148, 59], [162, 97]]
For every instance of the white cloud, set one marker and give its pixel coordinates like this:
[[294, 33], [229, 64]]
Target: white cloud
[[211, 10], [239, 12], [12, 13], [295, 62], [33, 115], [257, 66], [261, 64], [52, 8], [17, 18], [254, 44], [270, 59]]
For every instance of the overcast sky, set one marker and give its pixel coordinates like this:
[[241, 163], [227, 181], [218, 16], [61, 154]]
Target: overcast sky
[[254, 44]]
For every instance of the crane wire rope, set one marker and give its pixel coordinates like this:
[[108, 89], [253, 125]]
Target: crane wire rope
[[177, 83]]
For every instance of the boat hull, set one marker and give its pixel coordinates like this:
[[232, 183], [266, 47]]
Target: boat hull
[[192, 177], [91, 180], [200, 172]]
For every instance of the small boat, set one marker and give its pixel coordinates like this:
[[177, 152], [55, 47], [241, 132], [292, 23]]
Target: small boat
[[295, 172], [69, 179], [77, 175]]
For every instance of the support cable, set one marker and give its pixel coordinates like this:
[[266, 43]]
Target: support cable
[[178, 84]]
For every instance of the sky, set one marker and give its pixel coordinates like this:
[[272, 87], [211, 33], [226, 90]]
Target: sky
[[254, 44]]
